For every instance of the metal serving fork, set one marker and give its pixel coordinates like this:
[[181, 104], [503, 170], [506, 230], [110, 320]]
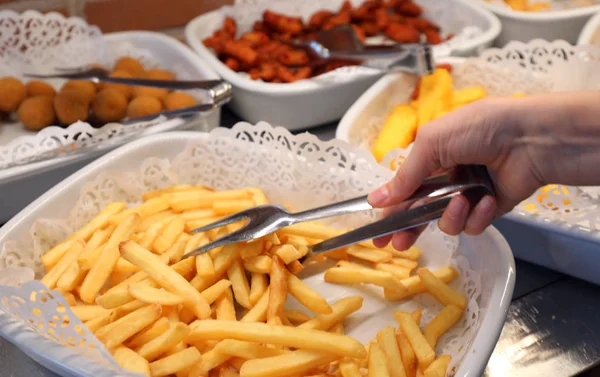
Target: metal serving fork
[[97, 74], [470, 180], [342, 43]]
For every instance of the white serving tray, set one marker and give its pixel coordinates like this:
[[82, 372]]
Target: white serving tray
[[488, 255], [569, 233], [590, 34], [309, 103], [564, 24], [21, 184]]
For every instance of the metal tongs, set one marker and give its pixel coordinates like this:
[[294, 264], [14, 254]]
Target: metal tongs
[[342, 43], [220, 91], [472, 181]]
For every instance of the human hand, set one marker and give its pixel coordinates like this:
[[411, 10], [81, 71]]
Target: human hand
[[525, 143]]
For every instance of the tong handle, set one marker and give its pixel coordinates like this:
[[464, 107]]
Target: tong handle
[[398, 222], [164, 84]]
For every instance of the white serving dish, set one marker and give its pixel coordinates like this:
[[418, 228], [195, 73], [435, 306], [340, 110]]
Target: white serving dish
[[569, 233], [590, 34], [309, 103], [488, 255], [564, 24], [20, 184]]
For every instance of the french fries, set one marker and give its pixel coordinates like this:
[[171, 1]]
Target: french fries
[[223, 313]]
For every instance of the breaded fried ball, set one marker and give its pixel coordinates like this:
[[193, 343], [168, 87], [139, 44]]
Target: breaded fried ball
[[37, 112], [110, 105], [39, 88], [179, 100], [12, 93], [87, 89], [70, 107], [143, 106], [126, 90], [148, 91], [130, 65], [159, 74]]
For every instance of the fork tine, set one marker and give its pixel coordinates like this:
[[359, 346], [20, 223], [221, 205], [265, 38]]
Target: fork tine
[[219, 223], [233, 237]]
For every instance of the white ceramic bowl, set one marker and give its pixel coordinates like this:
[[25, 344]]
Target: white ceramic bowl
[[590, 34], [488, 254], [548, 25], [20, 185], [310, 103]]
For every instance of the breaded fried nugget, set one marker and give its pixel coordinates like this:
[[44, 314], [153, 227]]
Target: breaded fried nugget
[[39, 88], [87, 89], [130, 65], [126, 90], [143, 106], [37, 112], [179, 100], [70, 107], [12, 93], [154, 74], [110, 105]]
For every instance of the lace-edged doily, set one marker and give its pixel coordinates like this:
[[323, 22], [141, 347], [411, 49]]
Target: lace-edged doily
[[453, 17], [35, 42], [299, 171], [532, 68]]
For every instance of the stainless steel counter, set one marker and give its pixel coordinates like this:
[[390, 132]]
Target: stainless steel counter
[[552, 328]]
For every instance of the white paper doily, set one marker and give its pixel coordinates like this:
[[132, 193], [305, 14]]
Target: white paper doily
[[300, 171], [451, 18], [532, 68], [39, 43]]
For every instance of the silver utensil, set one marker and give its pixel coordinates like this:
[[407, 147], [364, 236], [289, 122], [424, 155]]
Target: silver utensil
[[469, 180], [97, 74], [342, 43]]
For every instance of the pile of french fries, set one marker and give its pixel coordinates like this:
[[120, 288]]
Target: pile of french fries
[[223, 313]]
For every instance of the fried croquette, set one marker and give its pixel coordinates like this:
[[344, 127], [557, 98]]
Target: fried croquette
[[70, 107], [179, 100], [37, 112], [159, 74], [130, 65], [86, 89], [148, 91], [12, 93], [110, 105], [143, 106], [39, 88], [126, 90]]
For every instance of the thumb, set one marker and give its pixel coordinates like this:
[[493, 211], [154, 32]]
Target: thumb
[[422, 161]]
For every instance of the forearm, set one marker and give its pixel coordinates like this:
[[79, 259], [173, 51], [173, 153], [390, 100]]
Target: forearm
[[562, 134]]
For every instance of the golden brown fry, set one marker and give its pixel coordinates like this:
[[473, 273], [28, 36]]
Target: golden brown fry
[[224, 306], [438, 367], [149, 333], [340, 310], [440, 290], [288, 364], [386, 339], [131, 361], [164, 342], [278, 292], [127, 326], [98, 222], [70, 256], [260, 264], [100, 272], [448, 317], [280, 335], [175, 362], [409, 360], [343, 275], [371, 255], [378, 366], [168, 235], [307, 296], [258, 313], [210, 360], [413, 285], [349, 368], [258, 286], [421, 347], [52, 257], [239, 283], [88, 312]]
